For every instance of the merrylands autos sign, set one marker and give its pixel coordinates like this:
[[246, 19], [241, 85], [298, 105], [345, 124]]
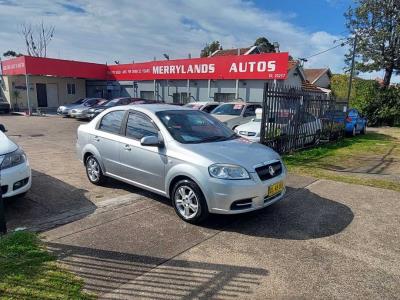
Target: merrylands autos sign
[[256, 66]]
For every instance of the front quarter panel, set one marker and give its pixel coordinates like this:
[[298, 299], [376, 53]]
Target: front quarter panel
[[175, 168]]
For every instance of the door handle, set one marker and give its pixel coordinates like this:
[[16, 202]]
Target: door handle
[[127, 148], [97, 139]]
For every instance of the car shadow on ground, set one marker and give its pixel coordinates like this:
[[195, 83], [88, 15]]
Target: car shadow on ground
[[131, 276], [301, 215], [48, 199]]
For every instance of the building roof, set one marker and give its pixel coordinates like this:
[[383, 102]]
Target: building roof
[[292, 64], [310, 87], [312, 75], [234, 51]]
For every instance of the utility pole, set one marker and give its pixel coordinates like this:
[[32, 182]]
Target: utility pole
[[352, 67]]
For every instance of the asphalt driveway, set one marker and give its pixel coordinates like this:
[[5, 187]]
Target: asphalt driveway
[[323, 240]]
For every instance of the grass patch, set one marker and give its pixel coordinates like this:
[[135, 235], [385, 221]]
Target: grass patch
[[335, 161], [28, 271]]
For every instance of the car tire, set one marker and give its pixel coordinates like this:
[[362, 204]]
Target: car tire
[[189, 202], [93, 171]]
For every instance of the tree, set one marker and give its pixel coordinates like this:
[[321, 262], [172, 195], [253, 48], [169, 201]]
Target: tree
[[210, 49], [11, 53], [37, 38], [377, 25], [264, 45]]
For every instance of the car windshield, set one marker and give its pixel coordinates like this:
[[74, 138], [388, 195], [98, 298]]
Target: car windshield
[[79, 101], [192, 126], [111, 103], [231, 109]]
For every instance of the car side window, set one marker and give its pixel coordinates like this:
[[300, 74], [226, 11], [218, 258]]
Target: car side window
[[112, 122], [139, 126]]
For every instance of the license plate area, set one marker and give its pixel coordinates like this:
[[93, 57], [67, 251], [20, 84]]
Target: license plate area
[[275, 188]]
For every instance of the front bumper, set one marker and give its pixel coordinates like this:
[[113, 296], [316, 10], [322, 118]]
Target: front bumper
[[251, 138], [16, 180], [92, 115], [223, 195], [79, 115], [63, 112]]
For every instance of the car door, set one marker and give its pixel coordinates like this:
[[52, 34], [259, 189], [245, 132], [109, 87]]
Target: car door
[[309, 128], [106, 140], [143, 165]]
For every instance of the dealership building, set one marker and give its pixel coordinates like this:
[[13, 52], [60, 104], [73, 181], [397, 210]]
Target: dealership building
[[224, 76]]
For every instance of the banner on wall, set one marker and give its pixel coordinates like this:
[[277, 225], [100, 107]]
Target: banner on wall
[[266, 66], [256, 66]]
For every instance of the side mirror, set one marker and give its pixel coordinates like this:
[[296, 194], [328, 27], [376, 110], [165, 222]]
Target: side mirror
[[3, 128], [152, 140]]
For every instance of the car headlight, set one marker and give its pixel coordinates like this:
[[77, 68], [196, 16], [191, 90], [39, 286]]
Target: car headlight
[[226, 171], [13, 159]]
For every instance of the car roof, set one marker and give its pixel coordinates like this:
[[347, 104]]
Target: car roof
[[155, 107], [241, 102], [203, 102]]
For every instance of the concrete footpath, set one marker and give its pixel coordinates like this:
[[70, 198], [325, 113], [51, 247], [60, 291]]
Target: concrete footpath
[[323, 240]]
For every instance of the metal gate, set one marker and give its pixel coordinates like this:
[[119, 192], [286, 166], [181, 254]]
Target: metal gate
[[296, 119]]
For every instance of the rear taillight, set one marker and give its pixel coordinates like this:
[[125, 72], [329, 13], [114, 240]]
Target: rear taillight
[[349, 119]]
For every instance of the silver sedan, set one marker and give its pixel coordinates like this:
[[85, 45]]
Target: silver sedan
[[183, 154]]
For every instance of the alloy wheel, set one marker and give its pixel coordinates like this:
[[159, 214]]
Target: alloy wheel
[[93, 169], [186, 202]]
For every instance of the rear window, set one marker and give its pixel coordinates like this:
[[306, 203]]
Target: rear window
[[112, 122]]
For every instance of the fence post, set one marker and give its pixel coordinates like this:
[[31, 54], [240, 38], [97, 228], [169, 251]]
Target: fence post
[[264, 114]]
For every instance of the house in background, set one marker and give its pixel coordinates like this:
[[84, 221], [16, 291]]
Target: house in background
[[319, 77]]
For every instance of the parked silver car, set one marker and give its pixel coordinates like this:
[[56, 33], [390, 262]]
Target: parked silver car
[[233, 114], [63, 110], [82, 111], [183, 154]]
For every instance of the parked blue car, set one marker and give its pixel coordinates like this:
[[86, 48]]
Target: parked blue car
[[355, 123]]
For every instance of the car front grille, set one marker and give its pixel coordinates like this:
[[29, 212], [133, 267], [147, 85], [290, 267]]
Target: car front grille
[[264, 171], [247, 133]]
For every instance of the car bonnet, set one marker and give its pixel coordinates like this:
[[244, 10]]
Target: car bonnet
[[238, 151], [6, 145]]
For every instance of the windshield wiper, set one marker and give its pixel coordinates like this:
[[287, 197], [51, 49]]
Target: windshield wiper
[[213, 138]]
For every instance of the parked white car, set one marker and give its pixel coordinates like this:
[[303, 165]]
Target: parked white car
[[251, 130], [233, 114], [15, 172], [284, 123], [206, 106]]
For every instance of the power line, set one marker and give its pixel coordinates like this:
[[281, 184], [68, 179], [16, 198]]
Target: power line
[[326, 50]]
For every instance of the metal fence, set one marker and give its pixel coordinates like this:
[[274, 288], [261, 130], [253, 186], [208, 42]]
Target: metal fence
[[297, 119]]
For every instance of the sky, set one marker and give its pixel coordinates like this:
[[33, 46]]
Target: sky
[[136, 30]]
